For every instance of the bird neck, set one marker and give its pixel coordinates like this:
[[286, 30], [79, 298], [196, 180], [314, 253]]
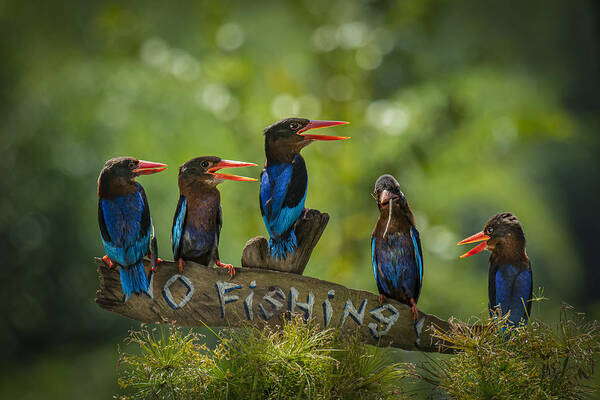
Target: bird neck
[[193, 189], [116, 187], [400, 221], [509, 252], [280, 154]]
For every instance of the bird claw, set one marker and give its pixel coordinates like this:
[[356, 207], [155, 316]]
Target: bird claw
[[304, 214], [228, 266], [181, 265], [158, 261], [414, 309], [108, 261]]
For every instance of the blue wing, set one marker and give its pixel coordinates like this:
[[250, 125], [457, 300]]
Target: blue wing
[[125, 227], [513, 291], [282, 195], [178, 225], [374, 257], [416, 240], [396, 266]]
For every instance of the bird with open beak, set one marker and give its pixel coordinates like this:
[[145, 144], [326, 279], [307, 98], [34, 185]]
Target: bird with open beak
[[124, 219], [198, 218], [510, 282], [396, 247], [284, 180]]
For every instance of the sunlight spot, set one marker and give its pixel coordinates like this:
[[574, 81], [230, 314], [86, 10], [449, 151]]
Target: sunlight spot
[[441, 241], [352, 35], [324, 38], [369, 57], [184, 66], [230, 36], [389, 117], [285, 105], [215, 97], [154, 51]]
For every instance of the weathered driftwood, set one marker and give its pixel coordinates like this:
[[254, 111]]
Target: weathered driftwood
[[204, 295], [309, 229]]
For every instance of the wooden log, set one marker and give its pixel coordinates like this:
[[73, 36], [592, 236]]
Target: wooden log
[[208, 296], [308, 229]]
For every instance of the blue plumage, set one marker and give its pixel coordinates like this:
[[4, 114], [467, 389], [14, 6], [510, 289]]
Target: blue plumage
[[284, 180], [282, 196], [510, 279], [197, 226], [396, 253], [124, 219], [513, 286], [198, 219], [397, 265], [126, 237], [177, 231]]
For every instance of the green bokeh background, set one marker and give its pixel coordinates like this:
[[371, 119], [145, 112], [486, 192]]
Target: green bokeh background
[[475, 106]]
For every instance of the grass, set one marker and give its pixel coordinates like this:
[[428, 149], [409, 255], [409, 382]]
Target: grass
[[494, 361], [298, 361], [498, 361]]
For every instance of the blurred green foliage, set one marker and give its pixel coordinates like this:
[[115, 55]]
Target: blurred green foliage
[[475, 106]]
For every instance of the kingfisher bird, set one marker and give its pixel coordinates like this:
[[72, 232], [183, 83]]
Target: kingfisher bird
[[396, 247], [124, 219], [284, 180], [510, 282], [198, 218]]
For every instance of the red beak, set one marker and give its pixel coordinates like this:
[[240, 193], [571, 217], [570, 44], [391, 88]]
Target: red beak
[[315, 124], [478, 237], [149, 167], [231, 164]]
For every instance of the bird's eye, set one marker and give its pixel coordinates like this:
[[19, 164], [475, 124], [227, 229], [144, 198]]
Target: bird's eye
[[489, 230], [293, 126], [204, 164]]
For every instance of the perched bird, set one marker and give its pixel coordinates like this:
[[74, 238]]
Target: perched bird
[[198, 217], [510, 283], [124, 219], [396, 247], [284, 180]]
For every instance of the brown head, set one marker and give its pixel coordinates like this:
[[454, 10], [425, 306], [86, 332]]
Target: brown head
[[285, 138], [118, 175], [503, 236], [388, 194], [203, 171]]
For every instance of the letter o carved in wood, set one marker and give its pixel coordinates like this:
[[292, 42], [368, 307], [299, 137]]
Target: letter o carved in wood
[[166, 292]]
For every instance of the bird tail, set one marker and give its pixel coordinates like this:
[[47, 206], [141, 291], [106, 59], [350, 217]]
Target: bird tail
[[280, 247], [134, 279]]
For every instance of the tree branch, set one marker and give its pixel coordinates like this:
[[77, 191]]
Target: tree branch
[[308, 232], [207, 296]]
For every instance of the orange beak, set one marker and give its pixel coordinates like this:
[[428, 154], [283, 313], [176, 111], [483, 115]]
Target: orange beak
[[316, 124], [231, 164], [478, 237], [149, 167]]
